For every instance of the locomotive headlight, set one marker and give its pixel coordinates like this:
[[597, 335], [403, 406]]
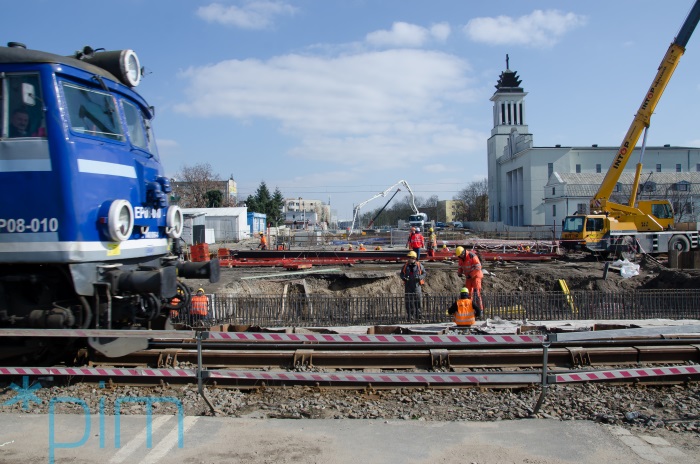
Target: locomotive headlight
[[174, 222], [131, 67], [120, 220]]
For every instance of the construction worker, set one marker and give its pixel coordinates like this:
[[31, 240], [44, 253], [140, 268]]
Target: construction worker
[[416, 241], [470, 267], [462, 311], [175, 308], [432, 242], [362, 247], [263, 242], [199, 307], [413, 275]]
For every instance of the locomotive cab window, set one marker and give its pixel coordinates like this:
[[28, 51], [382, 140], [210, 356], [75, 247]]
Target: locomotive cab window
[[139, 128], [23, 115], [92, 113], [135, 126]]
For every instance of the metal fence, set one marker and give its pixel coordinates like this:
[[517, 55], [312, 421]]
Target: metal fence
[[318, 310]]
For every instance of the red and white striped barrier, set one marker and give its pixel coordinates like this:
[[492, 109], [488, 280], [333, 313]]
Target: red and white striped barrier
[[358, 338], [623, 374], [378, 378], [98, 372]]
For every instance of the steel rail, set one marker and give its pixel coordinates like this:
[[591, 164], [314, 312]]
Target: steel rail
[[426, 358]]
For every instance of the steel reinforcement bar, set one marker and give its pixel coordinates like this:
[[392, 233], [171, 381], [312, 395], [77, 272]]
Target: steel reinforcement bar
[[324, 310]]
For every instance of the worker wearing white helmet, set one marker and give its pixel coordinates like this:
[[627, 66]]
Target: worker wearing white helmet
[[470, 267], [413, 275]]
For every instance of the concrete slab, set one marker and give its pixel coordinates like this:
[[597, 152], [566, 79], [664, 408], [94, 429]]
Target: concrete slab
[[29, 438]]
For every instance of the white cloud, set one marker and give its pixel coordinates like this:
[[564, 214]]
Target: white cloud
[[256, 14], [538, 29], [440, 31], [384, 108], [408, 35]]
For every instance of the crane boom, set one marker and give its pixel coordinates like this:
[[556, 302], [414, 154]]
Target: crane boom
[[356, 211]]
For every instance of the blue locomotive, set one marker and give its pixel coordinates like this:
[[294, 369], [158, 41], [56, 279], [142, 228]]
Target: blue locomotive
[[87, 236]]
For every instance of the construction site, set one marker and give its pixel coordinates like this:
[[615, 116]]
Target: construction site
[[320, 285]]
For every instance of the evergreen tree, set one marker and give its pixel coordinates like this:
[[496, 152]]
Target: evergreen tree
[[276, 204]]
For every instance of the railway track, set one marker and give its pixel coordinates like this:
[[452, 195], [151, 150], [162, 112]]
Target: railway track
[[372, 356]]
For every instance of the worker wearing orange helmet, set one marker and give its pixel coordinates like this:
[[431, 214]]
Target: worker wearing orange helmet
[[416, 241], [413, 275], [470, 267]]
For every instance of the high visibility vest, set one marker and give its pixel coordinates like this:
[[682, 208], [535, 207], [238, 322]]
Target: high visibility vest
[[470, 265], [465, 313], [174, 313], [417, 241], [418, 271], [199, 305], [432, 242]]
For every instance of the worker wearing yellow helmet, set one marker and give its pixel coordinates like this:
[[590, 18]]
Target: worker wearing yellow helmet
[[199, 306], [462, 310], [432, 242], [470, 267], [413, 275]]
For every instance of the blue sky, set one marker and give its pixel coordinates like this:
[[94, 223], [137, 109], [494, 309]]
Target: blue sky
[[338, 100]]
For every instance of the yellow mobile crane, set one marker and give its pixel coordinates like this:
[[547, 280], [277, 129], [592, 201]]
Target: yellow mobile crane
[[612, 227]]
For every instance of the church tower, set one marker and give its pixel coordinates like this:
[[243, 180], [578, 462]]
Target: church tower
[[509, 136]]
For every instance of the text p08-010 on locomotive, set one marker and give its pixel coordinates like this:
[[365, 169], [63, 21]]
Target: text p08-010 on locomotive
[[87, 236]]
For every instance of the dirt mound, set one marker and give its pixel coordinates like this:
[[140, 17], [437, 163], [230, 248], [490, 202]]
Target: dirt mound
[[382, 279]]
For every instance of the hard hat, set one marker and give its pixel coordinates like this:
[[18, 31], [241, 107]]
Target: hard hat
[[431, 229], [464, 290], [413, 229], [417, 229], [412, 254], [459, 250], [200, 290]]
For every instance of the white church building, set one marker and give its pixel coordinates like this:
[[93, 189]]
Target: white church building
[[530, 186]]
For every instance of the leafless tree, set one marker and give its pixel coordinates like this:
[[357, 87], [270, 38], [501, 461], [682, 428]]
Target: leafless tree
[[474, 198], [192, 184]]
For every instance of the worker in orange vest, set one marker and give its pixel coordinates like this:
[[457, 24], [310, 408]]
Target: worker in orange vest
[[263, 242], [470, 267], [199, 306], [462, 311], [175, 308], [413, 274]]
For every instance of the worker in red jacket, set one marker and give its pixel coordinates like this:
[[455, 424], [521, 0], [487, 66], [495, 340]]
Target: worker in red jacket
[[416, 241], [470, 267]]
